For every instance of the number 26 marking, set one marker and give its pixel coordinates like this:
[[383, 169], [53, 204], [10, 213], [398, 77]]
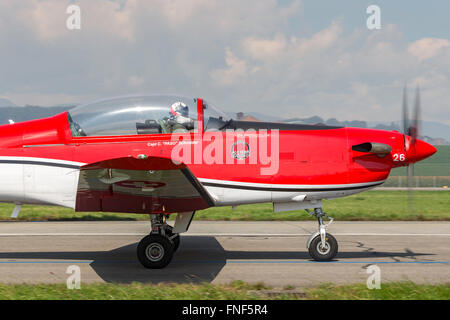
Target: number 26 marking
[[399, 157]]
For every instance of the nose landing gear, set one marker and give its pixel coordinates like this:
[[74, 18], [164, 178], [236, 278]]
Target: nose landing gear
[[322, 246]]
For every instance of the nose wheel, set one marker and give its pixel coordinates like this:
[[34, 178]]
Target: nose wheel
[[320, 252], [322, 246]]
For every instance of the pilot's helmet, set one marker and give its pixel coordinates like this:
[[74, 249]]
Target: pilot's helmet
[[179, 111]]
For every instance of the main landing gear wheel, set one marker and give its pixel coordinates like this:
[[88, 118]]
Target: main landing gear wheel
[[155, 251], [323, 253]]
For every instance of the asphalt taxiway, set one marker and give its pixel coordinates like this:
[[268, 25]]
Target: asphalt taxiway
[[273, 253]]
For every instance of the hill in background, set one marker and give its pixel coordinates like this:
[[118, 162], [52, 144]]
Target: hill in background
[[19, 114], [6, 103]]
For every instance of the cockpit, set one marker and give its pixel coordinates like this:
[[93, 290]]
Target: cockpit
[[134, 115]]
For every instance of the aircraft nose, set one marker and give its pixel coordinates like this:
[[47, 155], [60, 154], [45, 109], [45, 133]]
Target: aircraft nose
[[421, 150]]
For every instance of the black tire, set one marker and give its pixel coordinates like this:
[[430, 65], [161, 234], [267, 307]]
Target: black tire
[[317, 253], [155, 251]]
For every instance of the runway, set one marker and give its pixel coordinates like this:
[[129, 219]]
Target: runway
[[273, 253]]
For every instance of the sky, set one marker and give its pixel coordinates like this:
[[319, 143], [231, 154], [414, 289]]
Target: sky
[[286, 58]]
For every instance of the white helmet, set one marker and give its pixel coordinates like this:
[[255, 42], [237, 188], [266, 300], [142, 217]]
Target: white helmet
[[180, 113], [179, 109]]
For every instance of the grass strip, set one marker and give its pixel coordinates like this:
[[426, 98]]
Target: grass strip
[[370, 206], [237, 290]]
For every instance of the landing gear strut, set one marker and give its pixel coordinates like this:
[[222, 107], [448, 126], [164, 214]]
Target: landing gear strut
[[156, 250], [322, 246]]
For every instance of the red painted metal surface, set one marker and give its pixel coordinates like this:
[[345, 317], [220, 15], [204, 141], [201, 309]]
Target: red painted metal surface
[[306, 157]]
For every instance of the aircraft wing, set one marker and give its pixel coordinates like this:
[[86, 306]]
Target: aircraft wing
[[152, 185]]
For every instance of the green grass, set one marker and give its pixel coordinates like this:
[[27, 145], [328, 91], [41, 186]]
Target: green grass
[[134, 291], [388, 291], [372, 205], [237, 290]]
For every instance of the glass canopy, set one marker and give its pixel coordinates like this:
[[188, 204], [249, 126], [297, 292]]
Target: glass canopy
[[133, 115]]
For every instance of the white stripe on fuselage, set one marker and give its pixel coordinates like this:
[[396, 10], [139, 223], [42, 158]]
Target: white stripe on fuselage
[[231, 193], [47, 160], [290, 186]]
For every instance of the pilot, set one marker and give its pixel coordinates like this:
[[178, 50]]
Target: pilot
[[179, 120]]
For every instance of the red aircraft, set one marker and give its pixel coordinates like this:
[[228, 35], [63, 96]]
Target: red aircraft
[[159, 155]]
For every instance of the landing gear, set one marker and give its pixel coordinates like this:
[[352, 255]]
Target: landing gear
[[175, 237], [156, 250], [322, 246], [320, 252]]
